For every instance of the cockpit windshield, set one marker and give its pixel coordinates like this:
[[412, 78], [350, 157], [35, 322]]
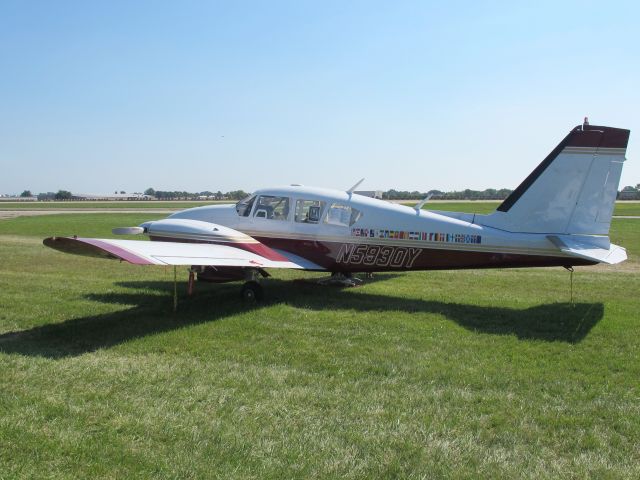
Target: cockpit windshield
[[243, 207]]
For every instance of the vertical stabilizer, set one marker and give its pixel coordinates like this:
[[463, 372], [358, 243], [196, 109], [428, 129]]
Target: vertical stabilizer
[[573, 190]]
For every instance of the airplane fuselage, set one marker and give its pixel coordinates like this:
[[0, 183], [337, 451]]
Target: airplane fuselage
[[353, 233]]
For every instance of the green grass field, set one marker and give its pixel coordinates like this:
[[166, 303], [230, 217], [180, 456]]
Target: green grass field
[[489, 374]]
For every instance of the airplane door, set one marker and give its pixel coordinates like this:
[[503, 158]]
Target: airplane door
[[271, 213], [307, 216]]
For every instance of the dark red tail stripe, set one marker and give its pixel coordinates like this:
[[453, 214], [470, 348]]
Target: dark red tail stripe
[[598, 137]]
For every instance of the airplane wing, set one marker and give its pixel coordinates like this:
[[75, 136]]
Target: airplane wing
[[590, 251], [174, 253]]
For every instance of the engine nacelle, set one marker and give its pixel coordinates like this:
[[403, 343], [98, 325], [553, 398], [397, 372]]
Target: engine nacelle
[[220, 274], [185, 230]]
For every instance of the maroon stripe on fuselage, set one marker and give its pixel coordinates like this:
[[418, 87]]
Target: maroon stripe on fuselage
[[344, 257], [350, 257]]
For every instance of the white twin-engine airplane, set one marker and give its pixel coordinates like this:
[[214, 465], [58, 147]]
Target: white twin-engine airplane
[[558, 216]]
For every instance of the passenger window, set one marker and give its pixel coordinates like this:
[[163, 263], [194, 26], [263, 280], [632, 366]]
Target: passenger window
[[309, 211], [342, 215], [273, 208]]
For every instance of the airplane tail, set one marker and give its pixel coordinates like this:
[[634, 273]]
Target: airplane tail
[[573, 190]]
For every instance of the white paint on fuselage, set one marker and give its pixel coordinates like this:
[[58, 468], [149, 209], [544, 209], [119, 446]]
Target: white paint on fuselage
[[377, 215]]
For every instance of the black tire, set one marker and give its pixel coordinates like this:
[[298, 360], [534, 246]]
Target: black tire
[[251, 292]]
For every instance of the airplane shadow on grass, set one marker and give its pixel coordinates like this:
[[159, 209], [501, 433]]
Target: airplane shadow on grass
[[152, 314]]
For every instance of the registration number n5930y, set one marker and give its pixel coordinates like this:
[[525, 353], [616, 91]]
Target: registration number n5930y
[[377, 255]]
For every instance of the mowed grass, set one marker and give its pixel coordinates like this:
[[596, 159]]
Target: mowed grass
[[489, 374]]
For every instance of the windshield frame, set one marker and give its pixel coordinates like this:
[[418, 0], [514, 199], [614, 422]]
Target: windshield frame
[[244, 206]]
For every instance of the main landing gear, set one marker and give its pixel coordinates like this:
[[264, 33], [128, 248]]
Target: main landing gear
[[251, 290], [340, 279]]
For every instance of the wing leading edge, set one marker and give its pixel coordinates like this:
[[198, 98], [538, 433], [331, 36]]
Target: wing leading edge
[[171, 253]]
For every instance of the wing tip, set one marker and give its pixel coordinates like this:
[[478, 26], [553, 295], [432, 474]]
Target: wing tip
[[93, 247]]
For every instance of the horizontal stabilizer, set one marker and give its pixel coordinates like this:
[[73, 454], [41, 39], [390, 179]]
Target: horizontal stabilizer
[[589, 250]]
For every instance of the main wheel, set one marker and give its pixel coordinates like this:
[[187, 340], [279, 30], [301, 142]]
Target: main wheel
[[251, 292]]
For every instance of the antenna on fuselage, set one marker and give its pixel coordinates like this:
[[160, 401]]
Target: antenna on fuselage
[[350, 191], [421, 203]]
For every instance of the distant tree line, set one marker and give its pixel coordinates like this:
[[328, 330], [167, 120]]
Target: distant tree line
[[468, 194], [629, 193], [59, 195], [158, 194], [178, 195]]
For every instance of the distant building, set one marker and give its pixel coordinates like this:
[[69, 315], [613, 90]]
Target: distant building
[[6, 198], [629, 195], [211, 197], [111, 196], [370, 193]]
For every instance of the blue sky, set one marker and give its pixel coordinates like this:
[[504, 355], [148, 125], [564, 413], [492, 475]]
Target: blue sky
[[99, 96]]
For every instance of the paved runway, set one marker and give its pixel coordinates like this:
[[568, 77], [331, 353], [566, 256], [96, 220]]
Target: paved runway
[[30, 213]]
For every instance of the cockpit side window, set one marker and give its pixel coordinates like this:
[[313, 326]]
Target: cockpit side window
[[309, 211], [272, 207], [342, 215], [243, 207]]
